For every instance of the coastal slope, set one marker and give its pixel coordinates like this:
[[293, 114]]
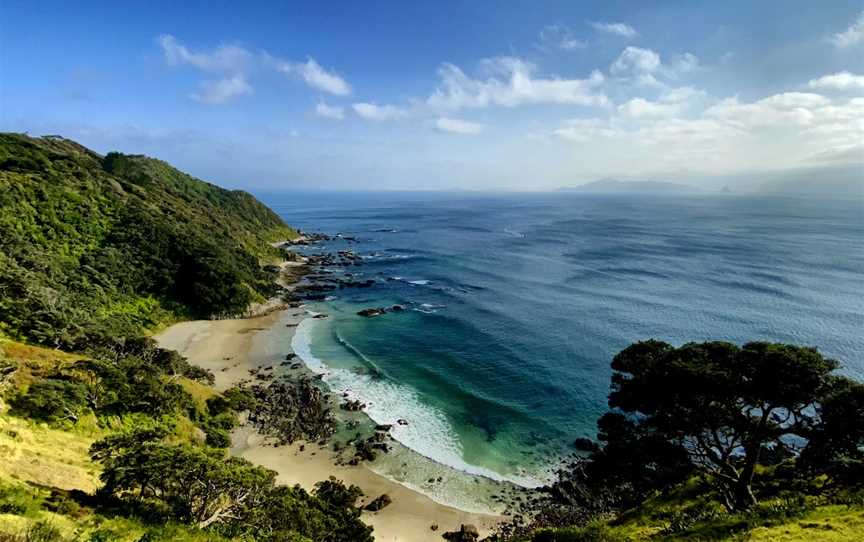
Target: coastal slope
[[117, 244]]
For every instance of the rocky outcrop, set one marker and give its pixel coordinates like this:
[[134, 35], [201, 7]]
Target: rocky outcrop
[[378, 311], [369, 313], [379, 503], [466, 533], [353, 406]]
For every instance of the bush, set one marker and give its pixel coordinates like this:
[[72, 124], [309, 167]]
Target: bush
[[52, 400], [218, 438]]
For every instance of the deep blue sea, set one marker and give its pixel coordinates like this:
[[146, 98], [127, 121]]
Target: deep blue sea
[[517, 303]]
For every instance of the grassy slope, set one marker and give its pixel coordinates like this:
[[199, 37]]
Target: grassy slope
[[772, 520], [41, 464]]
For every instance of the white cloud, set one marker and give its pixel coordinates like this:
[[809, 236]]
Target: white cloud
[[332, 112], [687, 62], [619, 29], [681, 94], [224, 59], [838, 81], [852, 36], [559, 36], [458, 126], [779, 131], [512, 83], [640, 107], [222, 90], [635, 60], [645, 68], [319, 78], [585, 130], [374, 112], [235, 62], [787, 109]]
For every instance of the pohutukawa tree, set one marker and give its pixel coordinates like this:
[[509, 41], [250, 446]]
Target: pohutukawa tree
[[723, 403]]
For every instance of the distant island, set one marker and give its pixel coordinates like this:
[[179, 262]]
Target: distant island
[[615, 186]]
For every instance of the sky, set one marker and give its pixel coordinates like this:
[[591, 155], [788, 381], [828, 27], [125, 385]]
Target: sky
[[467, 95]]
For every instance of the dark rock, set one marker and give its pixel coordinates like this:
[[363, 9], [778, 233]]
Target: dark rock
[[379, 503], [353, 406], [383, 427], [586, 445], [466, 533], [290, 356], [400, 421], [369, 313]]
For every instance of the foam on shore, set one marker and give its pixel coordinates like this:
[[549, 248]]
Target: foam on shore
[[427, 432]]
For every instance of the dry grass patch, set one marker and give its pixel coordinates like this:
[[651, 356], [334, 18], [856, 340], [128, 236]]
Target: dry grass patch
[[34, 452]]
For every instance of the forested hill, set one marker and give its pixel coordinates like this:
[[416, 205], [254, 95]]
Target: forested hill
[[94, 245]]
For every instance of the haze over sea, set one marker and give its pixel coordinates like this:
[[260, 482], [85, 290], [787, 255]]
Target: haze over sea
[[518, 302]]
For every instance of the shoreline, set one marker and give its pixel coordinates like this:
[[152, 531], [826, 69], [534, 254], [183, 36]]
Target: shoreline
[[225, 347]]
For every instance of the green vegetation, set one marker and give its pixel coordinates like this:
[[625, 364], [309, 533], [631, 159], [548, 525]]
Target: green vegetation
[[105, 436], [122, 440], [158, 451], [94, 246], [712, 441]]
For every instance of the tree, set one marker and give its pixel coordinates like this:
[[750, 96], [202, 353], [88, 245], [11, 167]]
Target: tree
[[721, 403], [203, 487], [52, 400], [836, 444]]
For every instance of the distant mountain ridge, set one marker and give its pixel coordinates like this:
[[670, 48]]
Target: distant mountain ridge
[[610, 185]]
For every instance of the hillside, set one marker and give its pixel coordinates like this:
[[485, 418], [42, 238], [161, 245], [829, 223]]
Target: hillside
[[95, 245], [104, 435]]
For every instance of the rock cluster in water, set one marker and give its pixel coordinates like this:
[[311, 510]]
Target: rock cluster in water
[[378, 311]]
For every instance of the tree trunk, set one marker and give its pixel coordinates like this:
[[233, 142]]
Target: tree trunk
[[744, 498]]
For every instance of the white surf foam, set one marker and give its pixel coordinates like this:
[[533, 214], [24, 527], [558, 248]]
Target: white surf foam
[[422, 282], [514, 233], [428, 431], [429, 308]]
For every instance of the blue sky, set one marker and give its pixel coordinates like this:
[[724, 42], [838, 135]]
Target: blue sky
[[444, 95]]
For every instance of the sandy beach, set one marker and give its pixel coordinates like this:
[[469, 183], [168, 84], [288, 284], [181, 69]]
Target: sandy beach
[[223, 347]]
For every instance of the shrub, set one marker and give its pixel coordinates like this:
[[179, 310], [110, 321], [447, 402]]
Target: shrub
[[52, 400]]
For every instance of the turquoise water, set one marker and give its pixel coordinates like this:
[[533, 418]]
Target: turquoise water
[[517, 303]]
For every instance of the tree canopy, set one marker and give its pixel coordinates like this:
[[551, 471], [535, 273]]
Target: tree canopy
[[726, 405], [109, 246]]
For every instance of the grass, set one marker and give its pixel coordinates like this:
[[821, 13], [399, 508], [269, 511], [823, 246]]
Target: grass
[[689, 513], [31, 362], [42, 465], [34, 452], [25, 509], [826, 523]]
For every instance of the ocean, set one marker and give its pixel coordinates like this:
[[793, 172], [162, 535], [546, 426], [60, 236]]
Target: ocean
[[516, 304]]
